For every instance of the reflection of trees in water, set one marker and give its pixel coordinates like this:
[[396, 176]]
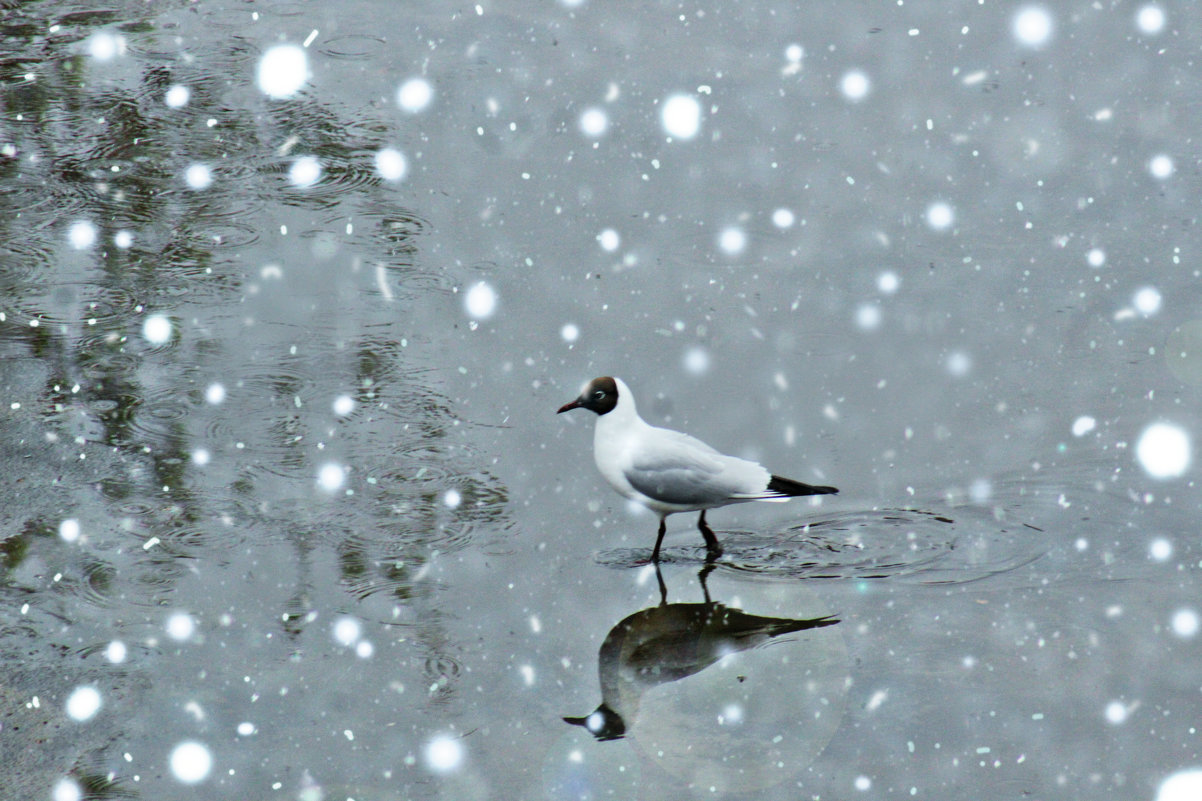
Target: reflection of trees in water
[[95, 142]]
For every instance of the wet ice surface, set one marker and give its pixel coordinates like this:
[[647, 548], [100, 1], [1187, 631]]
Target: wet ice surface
[[289, 297]]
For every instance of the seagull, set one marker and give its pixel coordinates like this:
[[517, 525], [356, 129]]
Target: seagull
[[669, 471]]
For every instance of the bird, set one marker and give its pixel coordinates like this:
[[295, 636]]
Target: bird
[[669, 471]]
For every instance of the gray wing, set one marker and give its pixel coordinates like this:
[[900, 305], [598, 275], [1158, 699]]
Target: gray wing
[[691, 474]]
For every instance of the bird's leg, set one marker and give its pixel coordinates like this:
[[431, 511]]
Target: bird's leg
[[663, 588], [702, 575], [663, 526], [713, 549]]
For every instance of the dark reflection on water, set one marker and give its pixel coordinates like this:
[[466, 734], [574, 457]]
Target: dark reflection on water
[[722, 699], [671, 642]]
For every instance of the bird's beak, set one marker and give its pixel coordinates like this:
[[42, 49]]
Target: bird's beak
[[567, 407]]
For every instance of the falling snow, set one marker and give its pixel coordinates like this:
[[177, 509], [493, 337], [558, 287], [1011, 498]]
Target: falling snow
[[331, 477], [594, 122], [1150, 20], [681, 116], [1161, 167], [1164, 450], [305, 171], [940, 216], [1185, 623], [82, 235], [391, 164], [1033, 26], [191, 762], [198, 176], [83, 704], [177, 96], [180, 626], [855, 85], [480, 301], [732, 241], [1083, 425], [609, 240], [283, 70], [69, 529], [415, 95], [444, 754], [273, 437], [157, 329]]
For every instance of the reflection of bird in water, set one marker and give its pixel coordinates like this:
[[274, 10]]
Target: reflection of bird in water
[[670, 472], [671, 642]]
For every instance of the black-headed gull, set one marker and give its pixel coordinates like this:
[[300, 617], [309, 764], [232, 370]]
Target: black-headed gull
[[670, 472]]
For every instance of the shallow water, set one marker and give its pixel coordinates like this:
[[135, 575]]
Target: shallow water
[[287, 510]]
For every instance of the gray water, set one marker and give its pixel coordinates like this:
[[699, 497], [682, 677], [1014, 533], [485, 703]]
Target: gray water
[[288, 513]]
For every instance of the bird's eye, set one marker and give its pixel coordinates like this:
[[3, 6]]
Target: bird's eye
[[598, 395]]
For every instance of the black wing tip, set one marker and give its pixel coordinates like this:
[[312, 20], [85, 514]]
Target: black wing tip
[[787, 486]]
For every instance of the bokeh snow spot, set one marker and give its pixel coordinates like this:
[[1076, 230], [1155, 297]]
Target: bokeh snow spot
[[331, 476], [156, 329], [1033, 26], [940, 216], [480, 301], [191, 762], [415, 95], [391, 164], [681, 116], [1161, 166], [855, 85], [83, 703], [1163, 450], [444, 754], [594, 122], [282, 71], [1150, 20]]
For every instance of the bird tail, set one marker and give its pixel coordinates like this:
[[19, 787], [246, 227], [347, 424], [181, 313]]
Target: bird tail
[[790, 488]]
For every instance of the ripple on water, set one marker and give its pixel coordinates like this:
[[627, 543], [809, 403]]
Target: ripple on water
[[370, 567], [388, 232], [341, 175], [102, 355], [154, 415], [353, 47], [28, 255], [95, 585], [70, 303], [870, 544], [442, 671], [1071, 521]]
